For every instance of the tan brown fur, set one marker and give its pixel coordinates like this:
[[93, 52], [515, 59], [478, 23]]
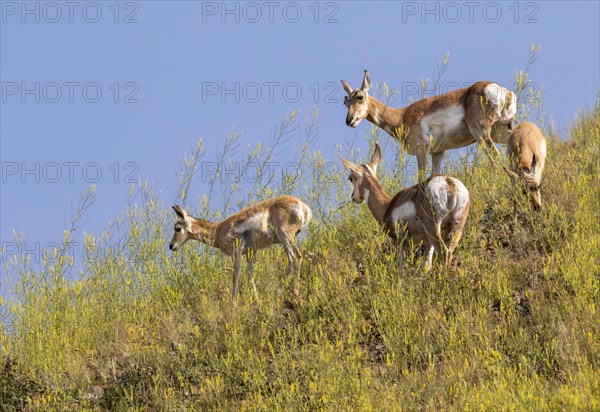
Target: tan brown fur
[[272, 221], [451, 186], [414, 215], [483, 120], [526, 151]]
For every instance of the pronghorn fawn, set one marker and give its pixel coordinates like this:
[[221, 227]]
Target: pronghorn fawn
[[478, 113], [526, 151], [277, 220], [430, 212]]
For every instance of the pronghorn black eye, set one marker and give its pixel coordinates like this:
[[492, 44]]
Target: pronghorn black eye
[[359, 97], [178, 229]]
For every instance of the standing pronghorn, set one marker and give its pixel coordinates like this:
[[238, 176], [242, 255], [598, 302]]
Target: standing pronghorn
[[277, 220], [526, 151], [430, 212], [436, 124]]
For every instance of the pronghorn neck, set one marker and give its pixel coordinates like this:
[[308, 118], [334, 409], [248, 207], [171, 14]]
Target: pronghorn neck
[[388, 118], [204, 230], [378, 200]]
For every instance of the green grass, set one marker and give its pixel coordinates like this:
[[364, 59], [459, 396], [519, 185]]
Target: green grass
[[514, 324]]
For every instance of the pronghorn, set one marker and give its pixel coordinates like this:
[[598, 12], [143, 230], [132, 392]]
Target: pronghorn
[[277, 220], [436, 124], [430, 212], [526, 151]]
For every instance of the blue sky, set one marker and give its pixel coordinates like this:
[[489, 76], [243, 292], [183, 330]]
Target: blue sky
[[92, 88]]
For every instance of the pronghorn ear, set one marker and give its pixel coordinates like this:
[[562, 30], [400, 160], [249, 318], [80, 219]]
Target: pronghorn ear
[[179, 211], [375, 159], [351, 167], [347, 87], [366, 84]]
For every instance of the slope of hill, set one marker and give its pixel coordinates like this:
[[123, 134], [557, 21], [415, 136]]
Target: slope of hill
[[514, 324]]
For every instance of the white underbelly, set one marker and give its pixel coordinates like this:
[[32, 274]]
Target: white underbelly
[[446, 129]]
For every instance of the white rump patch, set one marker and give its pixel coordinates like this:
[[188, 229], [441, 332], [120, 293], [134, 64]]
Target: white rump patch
[[306, 213], [437, 192], [437, 184], [498, 98], [302, 212], [534, 178], [496, 95], [511, 110], [297, 209], [543, 148]]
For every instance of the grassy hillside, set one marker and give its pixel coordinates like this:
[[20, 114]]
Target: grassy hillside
[[514, 324]]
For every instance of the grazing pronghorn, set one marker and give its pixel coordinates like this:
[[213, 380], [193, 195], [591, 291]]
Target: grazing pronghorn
[[277, 220], [526, 151], [430, 212], [436, 124]]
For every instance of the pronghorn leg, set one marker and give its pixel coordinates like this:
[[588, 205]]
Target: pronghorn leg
[[422, 163], [488, 137], [482, 129], [291, 258], [436, 162], [457, 228], [298, 254], [289, 247], [400, 244], [489, 116], [401, 248], [442, 245], [251, 259], [482, 132], [296, 250], [237, 264], [429, 261], [453, 243], [514, 186], [298, 265]]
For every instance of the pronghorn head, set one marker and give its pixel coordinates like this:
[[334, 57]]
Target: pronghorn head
[[357, 101], [360, 175], [182, 229], [531, 184]]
